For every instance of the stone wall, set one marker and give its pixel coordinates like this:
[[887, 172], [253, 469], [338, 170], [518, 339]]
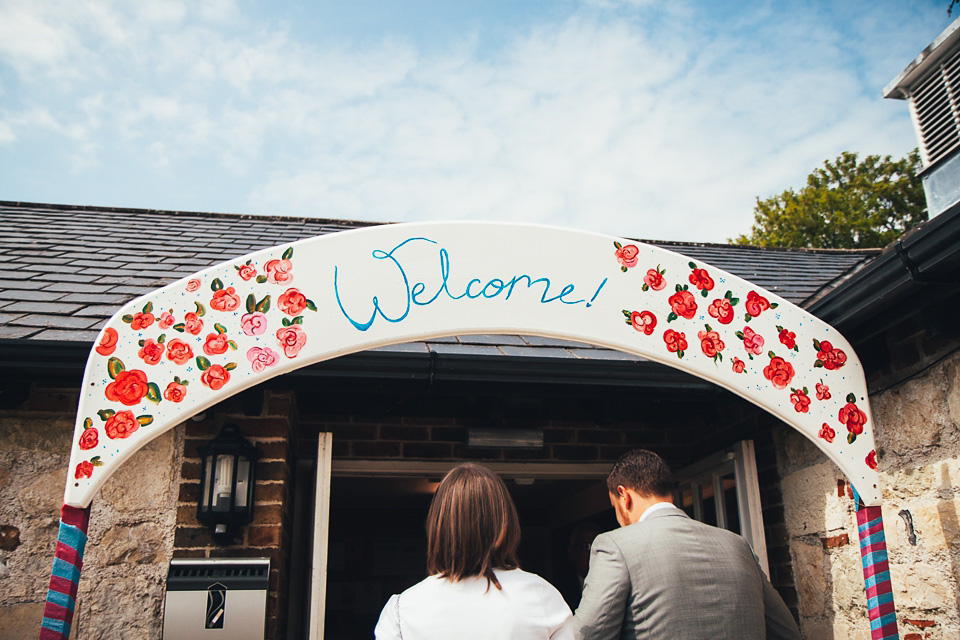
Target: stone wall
[[918, 443], [131, 525]]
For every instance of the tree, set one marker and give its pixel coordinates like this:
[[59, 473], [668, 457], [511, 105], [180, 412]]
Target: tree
[[846, 205]]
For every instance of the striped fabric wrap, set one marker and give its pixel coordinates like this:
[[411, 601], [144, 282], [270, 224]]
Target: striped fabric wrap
[[67, 562], [876, 574]]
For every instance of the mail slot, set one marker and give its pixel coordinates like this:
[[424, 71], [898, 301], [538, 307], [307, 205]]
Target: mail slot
[[216, 598]]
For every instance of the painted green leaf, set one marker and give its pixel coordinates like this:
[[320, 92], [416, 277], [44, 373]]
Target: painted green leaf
[[185, 383], [153, 392], [114, 367], [148, 308], [220, 328], [203, 363], [851, 398], [96, 461], [851, 438], [818, 364], [144, 420], [140, 342], [708, 327], [179, 327], [771, 354], [816, 344], [201, 310], [230, 366], [217, 284], [671, 317], [251, 303], [624, 269], [704, 293], [264, 305], [747, 317], [626, 312], [678, 288], [297, 320], [310, 305], [176, 379], [233, 345], [692, 265], [285, 322], [740, 335], [87, 423], [645, 287], [617, 245], [127, 318], [774, 305], [628, 321], [162, 338], [288, 253], [261, 279], [106, 414]]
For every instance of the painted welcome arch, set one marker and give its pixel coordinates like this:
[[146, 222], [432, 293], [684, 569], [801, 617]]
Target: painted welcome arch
[[183, 348]]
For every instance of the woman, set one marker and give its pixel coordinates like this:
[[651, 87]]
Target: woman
[[475, 587]]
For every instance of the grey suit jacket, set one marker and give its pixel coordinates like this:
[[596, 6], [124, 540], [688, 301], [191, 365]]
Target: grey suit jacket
[[673, 577]]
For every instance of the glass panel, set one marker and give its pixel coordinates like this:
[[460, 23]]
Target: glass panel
[[709, 505], [243, 483], [686, 502], [223, 483], [729, 484], [207, 476]]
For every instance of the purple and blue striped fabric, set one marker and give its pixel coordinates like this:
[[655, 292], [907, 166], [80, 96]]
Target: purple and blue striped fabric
[[876, 574], [67, 562]]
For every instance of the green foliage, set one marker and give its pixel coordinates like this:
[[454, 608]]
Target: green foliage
[[846, 205]]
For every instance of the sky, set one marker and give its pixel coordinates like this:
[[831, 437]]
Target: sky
[[642, 119]]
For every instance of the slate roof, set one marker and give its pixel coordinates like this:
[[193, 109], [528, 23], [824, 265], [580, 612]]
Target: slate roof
[[66, 269]]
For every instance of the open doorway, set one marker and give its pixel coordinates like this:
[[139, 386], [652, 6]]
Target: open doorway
[[377, 543]]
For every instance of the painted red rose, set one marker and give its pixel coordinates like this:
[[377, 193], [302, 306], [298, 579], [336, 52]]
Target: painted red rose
[[654, 279], [215, 344], [291, 340], [166, 320], [800, 400], [710, 343], [823, 391], [738, 365], [722, 310], [871, 459], [827, 432], [89, 438], [151, 352], [108, 342], [121, 425], [752, 341], [193, 284], [701, 279], [84, 470], [215, 377], [676, 341], [831, 357], [627, 255], [192, 323], [756, 304], [175, 392], [683, 304], [141, 320], [788, 338], [225, 300], [129, 387], [247, 271], [643, 321], [179, 351], [779, 372], [278, 271], [853, 417], [292, 302]]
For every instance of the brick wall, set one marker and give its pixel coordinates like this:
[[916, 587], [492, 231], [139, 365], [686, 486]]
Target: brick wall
[[272, 431]]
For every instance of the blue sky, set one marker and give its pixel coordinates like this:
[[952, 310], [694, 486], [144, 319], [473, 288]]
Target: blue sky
[[657, 120]]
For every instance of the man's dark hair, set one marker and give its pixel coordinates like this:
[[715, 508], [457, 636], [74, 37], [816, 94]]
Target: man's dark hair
[[643, 471]]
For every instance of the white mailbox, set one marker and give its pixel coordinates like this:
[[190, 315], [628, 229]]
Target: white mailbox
[[216, 598]]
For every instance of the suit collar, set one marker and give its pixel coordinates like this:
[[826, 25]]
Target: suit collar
[[661, 509]]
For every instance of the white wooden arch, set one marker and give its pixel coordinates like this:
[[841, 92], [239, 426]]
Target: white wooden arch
[[183, 348]]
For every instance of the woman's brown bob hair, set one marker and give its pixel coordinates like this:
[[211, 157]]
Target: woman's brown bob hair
[[472, 526]]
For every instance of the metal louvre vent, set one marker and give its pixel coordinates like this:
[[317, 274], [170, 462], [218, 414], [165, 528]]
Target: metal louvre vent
[[936, 101]]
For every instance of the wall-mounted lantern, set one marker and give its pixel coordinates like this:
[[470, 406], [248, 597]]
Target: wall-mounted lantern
[[227, 478]]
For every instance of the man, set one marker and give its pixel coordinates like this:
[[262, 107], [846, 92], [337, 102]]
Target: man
[[570, 578], [665, 575]]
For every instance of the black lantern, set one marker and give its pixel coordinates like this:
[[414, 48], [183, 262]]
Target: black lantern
[[227, 478]]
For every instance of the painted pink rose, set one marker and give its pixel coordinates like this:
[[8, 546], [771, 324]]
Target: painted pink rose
[[175, 392], [291, 339], [643, 321], [215, 344], [253, 324], [756, 304], [292, 302], [225, 300], [89, 438], [627, 255], [262, 357], [166, 320], [193, 284], [151, 352], [192, 323], [278, 271], [179, 351], [120, 425], [752, 341], [654, 279]]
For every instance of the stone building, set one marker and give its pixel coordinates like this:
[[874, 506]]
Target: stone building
[[559, 412]]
